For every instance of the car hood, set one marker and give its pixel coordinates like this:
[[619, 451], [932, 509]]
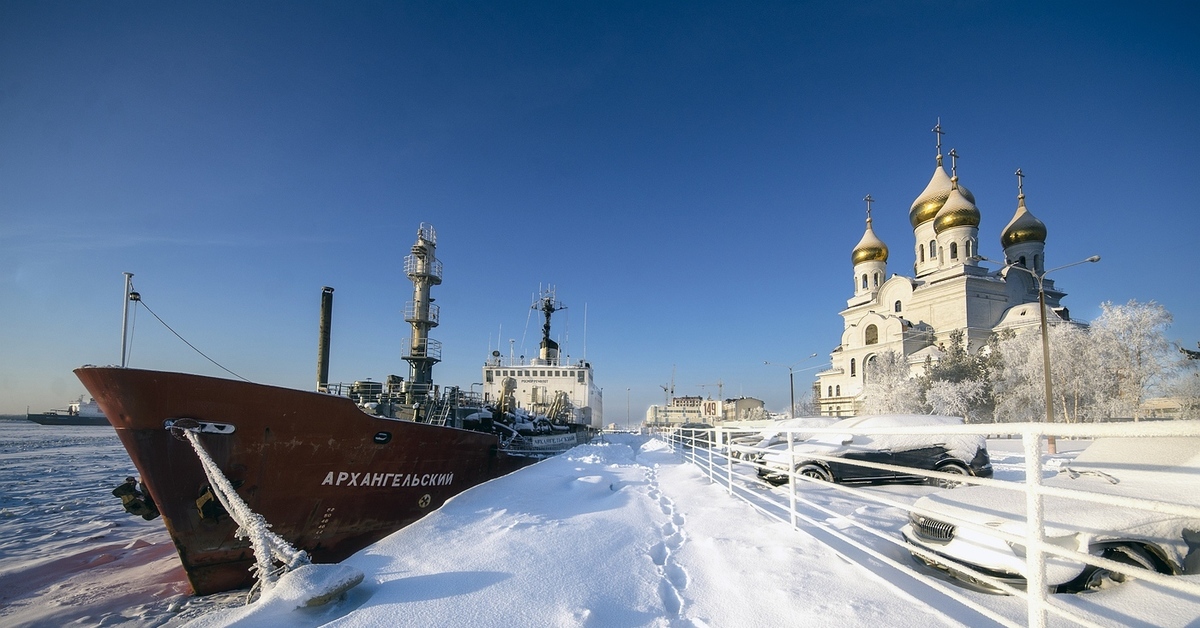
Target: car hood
[[1004, 510]]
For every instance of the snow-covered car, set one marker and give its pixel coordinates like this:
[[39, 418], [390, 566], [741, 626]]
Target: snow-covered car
[[749, 447], [962, 529], [963, 454]]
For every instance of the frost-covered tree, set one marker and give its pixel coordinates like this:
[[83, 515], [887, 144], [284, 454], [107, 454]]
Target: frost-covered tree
[[956, 398], [890, 386], [1134, 353], [1017, 388], [962, 381]]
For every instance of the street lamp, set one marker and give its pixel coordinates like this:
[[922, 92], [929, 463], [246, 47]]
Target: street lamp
[[1040, 279], [792, 382]]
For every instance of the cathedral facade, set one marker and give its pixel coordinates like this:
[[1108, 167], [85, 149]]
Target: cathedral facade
[[948, 291]]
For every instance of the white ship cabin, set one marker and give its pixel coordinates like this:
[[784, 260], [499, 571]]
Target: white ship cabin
[[541, 385]]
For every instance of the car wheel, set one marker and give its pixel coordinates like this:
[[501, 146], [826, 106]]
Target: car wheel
[[953, 468], [815, 472], [1095, 578]]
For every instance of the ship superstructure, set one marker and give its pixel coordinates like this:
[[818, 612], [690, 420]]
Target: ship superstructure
[[546, 385]]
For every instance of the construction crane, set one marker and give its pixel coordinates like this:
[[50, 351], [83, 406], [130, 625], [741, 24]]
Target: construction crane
[[720, 389], [669, 391]]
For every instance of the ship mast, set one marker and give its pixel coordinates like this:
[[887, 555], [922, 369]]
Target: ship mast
[[425, 271], [548, 304]]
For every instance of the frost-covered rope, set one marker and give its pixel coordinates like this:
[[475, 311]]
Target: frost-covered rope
[[268, 547]]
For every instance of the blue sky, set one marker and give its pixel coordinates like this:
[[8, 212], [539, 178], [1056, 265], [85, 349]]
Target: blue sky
[[688, 174]]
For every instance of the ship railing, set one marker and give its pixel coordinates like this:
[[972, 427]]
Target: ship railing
[[426, 232], [413, 314], [711, 449], [426, 348], [421, 266]]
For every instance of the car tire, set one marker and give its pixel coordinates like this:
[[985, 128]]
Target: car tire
[[815, 472], [1094, 578], [950, 467]]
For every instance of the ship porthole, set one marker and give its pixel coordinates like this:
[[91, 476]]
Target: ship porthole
[[424, 501], [382, 437]]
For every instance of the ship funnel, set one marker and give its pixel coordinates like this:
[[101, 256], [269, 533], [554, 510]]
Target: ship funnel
[[323, 342]]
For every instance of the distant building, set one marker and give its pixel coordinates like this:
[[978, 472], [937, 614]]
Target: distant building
[[949, 290], [700, 410]]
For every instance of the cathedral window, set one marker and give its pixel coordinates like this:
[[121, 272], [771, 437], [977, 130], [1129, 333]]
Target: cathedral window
[[864, 282], [897, 306], [871, 335], [969, 249], [1022, 261], [932, 249], [838, 389], [830, 392], [921, 252], [1035, 263], [852, 371], [953, 250], [876, 279]]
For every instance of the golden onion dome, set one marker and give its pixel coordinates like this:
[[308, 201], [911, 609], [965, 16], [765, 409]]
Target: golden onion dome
[[870, 248], [930, 202], [959, 210], [1024, 227]]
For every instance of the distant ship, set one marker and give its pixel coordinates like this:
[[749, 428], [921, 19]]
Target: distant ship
[[331, 471], [545, 385], [78, 412]]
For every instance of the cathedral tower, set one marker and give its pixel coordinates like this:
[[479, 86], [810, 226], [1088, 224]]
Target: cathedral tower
[[869, 258]]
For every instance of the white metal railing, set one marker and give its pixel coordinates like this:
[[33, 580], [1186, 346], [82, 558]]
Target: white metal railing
[[413, 314], [711, 450]]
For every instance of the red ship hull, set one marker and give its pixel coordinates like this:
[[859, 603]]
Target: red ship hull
[[328, 477]]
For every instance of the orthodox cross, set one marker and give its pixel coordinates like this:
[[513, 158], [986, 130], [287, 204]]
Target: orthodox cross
[[1020, 183], [937, 129], [953, 163], [869, 200]]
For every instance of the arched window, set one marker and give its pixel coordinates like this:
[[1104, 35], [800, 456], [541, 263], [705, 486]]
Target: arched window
[[830, 392], [953, 250], [1036, 266], [1021, 261], [838, 390], [871, 335], [864, 281], [876, 279], [969, 243], [921, 252], [852, 372], [897, 306], [932, 249]]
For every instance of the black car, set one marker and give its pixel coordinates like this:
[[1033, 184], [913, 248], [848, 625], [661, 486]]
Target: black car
[[963, 454]]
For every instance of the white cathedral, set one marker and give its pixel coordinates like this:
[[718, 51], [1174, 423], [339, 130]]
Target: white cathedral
[[949, 290]]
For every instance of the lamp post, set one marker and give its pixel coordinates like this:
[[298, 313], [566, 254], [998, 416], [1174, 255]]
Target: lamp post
[[1040, 279], [792, 382]]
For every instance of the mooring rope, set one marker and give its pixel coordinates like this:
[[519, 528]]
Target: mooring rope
[[268, 547]]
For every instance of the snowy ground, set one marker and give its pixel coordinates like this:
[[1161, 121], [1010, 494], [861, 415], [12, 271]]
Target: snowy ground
[[617, 533]]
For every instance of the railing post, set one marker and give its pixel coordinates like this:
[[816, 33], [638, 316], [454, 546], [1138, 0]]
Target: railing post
[[708, 436], [1035, 559], [728, 443], [792, 477]]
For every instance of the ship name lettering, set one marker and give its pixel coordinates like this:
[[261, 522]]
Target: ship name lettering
[[345, 478]]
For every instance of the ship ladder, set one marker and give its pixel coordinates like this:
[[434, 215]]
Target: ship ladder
[[269, 547], [441, 414]]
